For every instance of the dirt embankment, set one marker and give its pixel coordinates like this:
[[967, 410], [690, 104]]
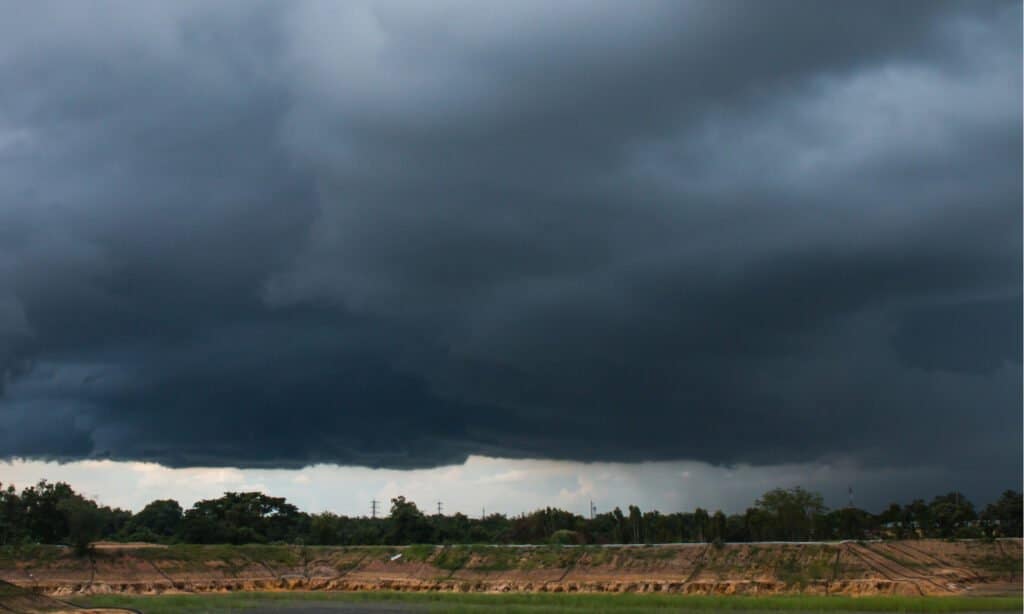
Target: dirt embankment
[[925, 567]]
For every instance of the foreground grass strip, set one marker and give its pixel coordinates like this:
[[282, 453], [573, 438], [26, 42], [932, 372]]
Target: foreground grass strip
[[558, 602]]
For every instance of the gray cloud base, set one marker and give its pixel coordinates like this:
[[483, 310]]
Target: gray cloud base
[[279, 234]]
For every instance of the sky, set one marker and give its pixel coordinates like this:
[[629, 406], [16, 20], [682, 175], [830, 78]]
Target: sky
[[339, 250]]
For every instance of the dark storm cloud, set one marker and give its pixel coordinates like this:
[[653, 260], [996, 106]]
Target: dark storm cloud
[[395, 234]]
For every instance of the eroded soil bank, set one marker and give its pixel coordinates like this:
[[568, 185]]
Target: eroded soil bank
[[919, 567]]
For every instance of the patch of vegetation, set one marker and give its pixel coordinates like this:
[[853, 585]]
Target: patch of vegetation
[[596, 555], [796, 573], [818, 570], [37, 553], [565, 537], [194, 553], [791, 572], [453, 558], [999, 564], [550, 557], [649, 552], [418, 552], [537, 603], [379, 552], [495, 558]]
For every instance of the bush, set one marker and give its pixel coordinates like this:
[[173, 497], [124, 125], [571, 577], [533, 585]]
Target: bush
[[565, 537]]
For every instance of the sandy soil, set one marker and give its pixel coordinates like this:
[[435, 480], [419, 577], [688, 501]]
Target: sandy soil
[[924, 567]]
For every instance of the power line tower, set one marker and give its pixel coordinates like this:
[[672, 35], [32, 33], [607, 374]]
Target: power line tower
[[438, 508], [373, 508], [849, 491], [593, 509]]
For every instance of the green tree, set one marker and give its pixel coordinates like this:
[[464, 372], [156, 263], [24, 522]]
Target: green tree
[[1004, 516], [635, 520], [45, 522], [701, 522], [794, 512], [324, 529], [919, 517], [718, 526], [951, 513], [159, 520], [408, 524], [12, 517], [240, 518], [893, 519], [620, 526], [84, 521]]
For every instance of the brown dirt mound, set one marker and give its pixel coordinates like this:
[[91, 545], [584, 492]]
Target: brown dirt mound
[[922, 567]]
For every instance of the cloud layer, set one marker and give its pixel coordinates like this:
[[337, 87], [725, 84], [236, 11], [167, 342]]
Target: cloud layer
[[394, 234]]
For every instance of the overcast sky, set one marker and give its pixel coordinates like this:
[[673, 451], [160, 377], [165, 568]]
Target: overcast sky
[[766, 240]]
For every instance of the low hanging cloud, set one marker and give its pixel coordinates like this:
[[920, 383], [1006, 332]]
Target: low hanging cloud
[[395, 235]]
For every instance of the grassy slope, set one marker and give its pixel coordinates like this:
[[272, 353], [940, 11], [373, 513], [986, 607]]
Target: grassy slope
[[16, 599], [560, 602]]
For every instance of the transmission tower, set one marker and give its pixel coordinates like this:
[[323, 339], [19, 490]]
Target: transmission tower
[[373, 508]]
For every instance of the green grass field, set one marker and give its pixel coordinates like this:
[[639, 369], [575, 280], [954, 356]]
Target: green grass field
[[538, 603]]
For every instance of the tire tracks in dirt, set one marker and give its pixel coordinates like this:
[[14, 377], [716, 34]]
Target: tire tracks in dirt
[[874, 566], [835, 570], [92, 571], [698, 565], [182, 586], [891, 570], [350, 569], [1016, 570], [451, 573], [264, 565], [920, 556], [571, 566]]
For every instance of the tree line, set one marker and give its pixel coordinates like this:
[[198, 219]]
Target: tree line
[[53, 513]]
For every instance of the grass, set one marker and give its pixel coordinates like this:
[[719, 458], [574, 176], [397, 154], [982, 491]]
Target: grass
[[594, 555], [538, 603], [999, 564], [195, 553], [10, 555], [649, 553], [418, 552], [494, 559], [453, 558], [547, 557]]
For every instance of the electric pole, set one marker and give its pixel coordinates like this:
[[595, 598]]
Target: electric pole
[[373, 508], [438, 508], [593, 509]]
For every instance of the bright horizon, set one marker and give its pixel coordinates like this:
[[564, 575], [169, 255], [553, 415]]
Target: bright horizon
[[500, 485]]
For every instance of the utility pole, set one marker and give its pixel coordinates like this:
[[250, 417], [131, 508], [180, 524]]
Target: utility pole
[[373, 508], [593, 509], [483, 513], [850, 492], [438, 508]]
